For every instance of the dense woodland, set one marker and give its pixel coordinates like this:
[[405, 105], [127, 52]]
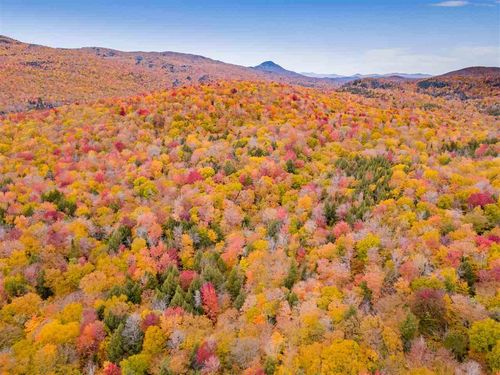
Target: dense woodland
[[254, 228]]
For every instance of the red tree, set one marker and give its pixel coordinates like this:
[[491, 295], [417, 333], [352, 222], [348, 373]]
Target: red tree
[[209, 298], [480, 199]]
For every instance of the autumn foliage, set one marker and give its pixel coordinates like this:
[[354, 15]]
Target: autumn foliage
[[254, 228]]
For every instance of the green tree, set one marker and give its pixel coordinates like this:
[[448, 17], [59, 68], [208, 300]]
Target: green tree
[[466, 272], [293, 275], [41, 288], [408, 330], [178, 298], [234, 283], [115, 348], [457, 341]]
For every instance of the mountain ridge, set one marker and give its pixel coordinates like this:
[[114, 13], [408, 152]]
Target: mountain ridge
[[374, 75], [33, 76], [473, 71], [64, 75]]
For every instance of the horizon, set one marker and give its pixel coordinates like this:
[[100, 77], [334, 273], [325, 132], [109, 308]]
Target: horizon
[[310, 74], [321, 37]]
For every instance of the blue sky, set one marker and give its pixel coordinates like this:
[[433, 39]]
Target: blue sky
[[343, 37]]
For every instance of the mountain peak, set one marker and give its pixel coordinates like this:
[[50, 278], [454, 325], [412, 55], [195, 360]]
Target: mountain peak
[[270, 63], [271, 66]]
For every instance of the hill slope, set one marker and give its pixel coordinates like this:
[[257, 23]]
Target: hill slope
[[474, 71], [57, 75], [478, 87], [468, 83]]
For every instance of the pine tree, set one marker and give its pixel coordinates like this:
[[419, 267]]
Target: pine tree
[[234, 283], [41, 287], [240, 300], [169, 285], [213, 275], [408, 330], [133, 291], [178, 298], [151, 281], [330, 212], [467, 273], [293, 275], [115, 347], [112, 321]]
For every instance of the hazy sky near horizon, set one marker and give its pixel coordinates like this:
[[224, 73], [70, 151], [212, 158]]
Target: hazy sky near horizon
[[342, 37]]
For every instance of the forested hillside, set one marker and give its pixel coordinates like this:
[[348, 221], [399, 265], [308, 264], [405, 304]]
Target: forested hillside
[[256, 228]]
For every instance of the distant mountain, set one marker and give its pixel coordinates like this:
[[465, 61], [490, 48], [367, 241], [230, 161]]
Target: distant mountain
[[272, 67], [360, 76], [402, 75], [481, 84], [319, 75]]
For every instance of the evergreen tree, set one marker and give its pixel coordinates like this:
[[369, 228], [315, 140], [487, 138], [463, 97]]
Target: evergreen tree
[[234, 283], [466, 272], [170, 285], [178, 298], [115, 348], [408, 330], [293, 275], [41, 287], [240, 300], [133, 291]]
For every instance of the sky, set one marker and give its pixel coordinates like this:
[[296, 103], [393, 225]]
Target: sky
[[335, 37]]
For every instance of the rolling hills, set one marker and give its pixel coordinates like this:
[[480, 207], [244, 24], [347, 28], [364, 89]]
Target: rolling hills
[[36, 77], [475, 86], [57, 76]]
